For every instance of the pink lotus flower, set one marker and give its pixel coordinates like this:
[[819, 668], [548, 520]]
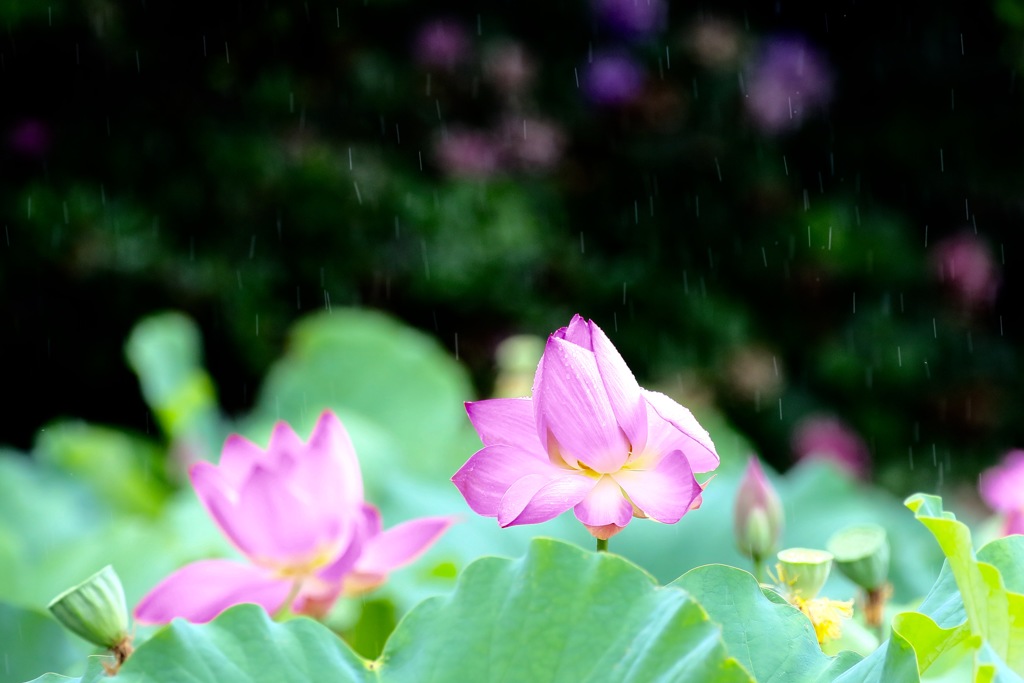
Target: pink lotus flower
[[1002, 489], [296, 511], [590, 439]]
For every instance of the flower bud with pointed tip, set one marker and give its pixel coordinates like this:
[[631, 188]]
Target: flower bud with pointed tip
[[862, 555], [758, 513], [95, 609], [804, 570]]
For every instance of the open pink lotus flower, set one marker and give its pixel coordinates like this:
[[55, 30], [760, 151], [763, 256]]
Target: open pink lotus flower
[[590, 439], [296, 511], [1002, 489]]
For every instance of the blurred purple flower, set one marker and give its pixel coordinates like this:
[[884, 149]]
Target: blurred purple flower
[[964, 264], [612, 79], [468, 153], [632, 18], [1002, 489], [441, 44], [829, 438], [789, 80], [30, 137]]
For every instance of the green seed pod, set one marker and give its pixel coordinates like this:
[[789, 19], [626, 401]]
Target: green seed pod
[[804, 571], [95, 609], [862, 555]]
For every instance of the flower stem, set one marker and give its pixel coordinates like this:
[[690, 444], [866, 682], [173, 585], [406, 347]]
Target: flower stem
[[286, 607], [602, 545]]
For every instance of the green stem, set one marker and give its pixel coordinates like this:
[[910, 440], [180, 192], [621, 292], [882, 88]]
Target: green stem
[[602, 545], [759, 569], [286, 607]]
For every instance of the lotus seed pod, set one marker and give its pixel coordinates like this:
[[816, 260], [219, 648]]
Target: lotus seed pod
[[804, 570], [95, 609], [862, 555]]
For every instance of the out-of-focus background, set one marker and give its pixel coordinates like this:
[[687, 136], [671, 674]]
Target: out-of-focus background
[[789, 210]]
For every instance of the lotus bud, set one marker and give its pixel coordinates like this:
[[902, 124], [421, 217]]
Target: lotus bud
[[95, 609], [758, 514], [862, 555], [804, 571]]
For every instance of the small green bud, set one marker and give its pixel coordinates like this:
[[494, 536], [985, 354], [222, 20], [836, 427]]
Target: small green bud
[[804, 571], [95, 609], [757, 514], [862, 555]]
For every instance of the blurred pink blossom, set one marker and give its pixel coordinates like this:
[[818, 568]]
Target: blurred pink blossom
[[964, 264], [296, 511], [441, 44], [632, 18], [468, 153], [613, 78], [509, 68], [30, 138], [829, 438], [1002, 489], [531, 143], [789, 80]]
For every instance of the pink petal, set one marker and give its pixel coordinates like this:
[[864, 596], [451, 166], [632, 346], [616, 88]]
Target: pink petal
[[623, 391], [574, 408], [337, 465], [578, 332], [677, 429], [237, 457], [200, 591], [538, 498], [604, 505], [1014, 522], [401, 544], [284, 445], [272, 524], [365, 524], [507, 421], [491, 471], [664, 493]]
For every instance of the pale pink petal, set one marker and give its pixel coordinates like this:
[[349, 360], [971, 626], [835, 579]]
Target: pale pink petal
[[270, 523], [344, 480], [677, 429], [237, 457], [200, 591], [573, 407], [284, 445], [624, 393], [491, 471], [604, 504], [664, 493], [537, 498], [507, 421], [401, 544]]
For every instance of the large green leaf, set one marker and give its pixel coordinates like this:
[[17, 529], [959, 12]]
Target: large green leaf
[[558, 614], [773, 640]]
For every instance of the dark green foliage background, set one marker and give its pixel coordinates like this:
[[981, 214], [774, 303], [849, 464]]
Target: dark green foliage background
[[249, 163]]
